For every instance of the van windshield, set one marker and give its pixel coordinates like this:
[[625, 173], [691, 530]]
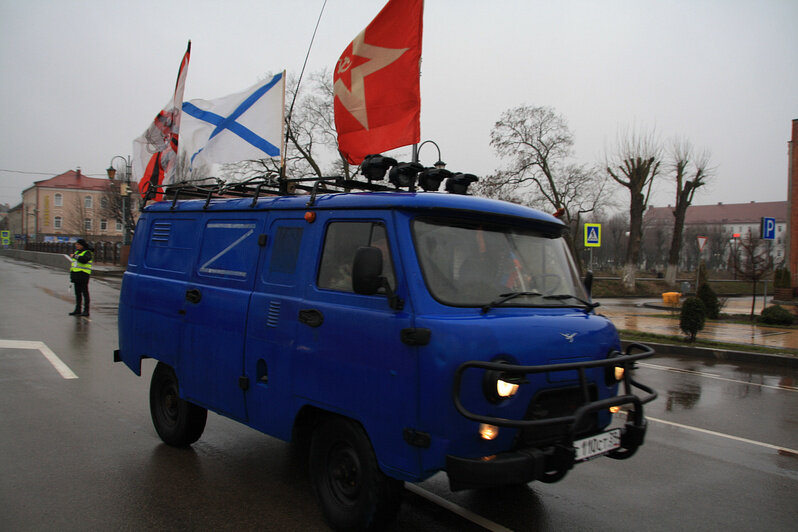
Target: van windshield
[[472, 264]]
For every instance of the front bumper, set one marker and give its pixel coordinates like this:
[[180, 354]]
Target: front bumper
[[552, 462]]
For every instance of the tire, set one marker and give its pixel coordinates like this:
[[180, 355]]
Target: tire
[[353, 492], [178, 422]]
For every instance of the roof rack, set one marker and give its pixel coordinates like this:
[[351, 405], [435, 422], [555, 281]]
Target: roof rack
[[403, 177]]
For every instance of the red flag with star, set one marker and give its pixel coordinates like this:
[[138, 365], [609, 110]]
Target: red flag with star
[[376, 83]]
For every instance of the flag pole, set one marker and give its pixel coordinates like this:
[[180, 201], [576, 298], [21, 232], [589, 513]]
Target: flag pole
[[283, 140]]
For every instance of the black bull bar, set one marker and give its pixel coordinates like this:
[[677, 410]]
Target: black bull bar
[[551, 464]]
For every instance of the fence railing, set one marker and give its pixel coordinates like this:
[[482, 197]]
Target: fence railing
[[104, 252]]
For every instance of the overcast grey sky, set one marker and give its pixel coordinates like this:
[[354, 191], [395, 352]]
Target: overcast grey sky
[[80, 79]]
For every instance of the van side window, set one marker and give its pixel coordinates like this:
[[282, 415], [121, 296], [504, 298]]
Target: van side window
[[340, 245], [286, 250]]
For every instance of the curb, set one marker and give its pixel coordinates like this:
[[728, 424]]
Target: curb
[[720, 354], [60, 261]]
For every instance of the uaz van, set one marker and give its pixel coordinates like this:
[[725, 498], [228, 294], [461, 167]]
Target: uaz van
[[399, 333]]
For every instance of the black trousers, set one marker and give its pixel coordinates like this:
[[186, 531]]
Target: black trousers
[[81, 294]]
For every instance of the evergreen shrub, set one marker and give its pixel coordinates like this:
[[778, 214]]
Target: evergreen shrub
[[710, 300], [776, 315], [693, 317]]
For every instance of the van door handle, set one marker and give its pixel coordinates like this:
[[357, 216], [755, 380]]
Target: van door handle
[[311, 317], [193, 295]]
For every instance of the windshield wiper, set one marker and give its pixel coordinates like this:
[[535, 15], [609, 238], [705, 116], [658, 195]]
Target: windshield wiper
[[507, 297], [588, 305]]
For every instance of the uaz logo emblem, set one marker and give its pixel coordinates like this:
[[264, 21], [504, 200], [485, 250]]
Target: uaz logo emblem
[[569, 337]]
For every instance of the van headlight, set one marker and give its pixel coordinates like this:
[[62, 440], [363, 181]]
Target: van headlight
[[498, 386]]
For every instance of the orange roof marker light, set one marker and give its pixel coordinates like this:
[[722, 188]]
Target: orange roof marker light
[[310, 217]]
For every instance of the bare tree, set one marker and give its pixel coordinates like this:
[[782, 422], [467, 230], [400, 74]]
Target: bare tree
[[754, 263], [690, 172], [186, 172], [76, 219], [113, 206], [635, 164], [537, 145]]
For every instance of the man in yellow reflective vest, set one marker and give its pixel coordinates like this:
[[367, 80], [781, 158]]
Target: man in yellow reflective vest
[[79, 274]]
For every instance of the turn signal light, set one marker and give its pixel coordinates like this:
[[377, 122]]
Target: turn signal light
[[488, 432]]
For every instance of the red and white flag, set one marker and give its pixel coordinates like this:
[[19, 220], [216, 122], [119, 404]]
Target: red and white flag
[[155, 152], [376, 83]]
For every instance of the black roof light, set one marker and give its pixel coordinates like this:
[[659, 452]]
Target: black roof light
[[404, 174], [458, 183], [430, 178], [374, 166]]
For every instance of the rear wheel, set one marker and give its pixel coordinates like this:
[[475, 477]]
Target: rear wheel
[[178, 422], [353, 492]]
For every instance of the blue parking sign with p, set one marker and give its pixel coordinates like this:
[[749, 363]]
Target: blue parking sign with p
[[768, 228], [592, 235]]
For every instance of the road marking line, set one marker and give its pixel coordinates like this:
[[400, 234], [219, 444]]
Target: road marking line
[[459, 510], [718, 377], [48, 353], [781, 450]]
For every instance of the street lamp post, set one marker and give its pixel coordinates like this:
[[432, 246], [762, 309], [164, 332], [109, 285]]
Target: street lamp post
[[417, 148], [123, 192]]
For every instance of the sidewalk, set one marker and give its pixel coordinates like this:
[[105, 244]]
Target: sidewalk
[[649, 315]]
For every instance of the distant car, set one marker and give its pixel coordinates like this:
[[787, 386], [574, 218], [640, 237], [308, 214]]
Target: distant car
[[402, 333]]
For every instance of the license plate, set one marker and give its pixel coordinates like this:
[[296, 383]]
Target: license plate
[[598, 444]]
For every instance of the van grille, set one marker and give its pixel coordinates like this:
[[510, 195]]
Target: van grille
[[273, 319], [555, 403]]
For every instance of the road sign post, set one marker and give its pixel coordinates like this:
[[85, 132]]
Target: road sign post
[[592, 239], [767, 228]]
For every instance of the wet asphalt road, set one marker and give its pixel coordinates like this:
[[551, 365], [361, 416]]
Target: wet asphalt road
[[80, 453]]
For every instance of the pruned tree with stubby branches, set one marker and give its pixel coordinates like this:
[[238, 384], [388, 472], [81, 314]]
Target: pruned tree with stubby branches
[[691, 171], [634, 163]]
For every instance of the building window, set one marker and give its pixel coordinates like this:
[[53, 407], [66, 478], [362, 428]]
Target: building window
[[87, 224], [57, 220], [104, 202], [59, 200], [103, 225], [118, 225], [87, 202], [780, 228]]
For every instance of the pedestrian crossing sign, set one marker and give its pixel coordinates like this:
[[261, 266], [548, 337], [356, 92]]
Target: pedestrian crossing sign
[[592, 235]]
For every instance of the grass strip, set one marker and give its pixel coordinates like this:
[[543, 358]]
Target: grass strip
[[637, 336]]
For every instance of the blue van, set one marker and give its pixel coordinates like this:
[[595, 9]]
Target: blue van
[[399, 333]]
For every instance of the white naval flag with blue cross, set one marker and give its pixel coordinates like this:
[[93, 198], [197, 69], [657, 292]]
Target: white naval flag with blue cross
[[242, 126]]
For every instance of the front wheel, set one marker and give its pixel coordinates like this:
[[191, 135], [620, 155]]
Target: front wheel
[[178, 422], [353, 492]]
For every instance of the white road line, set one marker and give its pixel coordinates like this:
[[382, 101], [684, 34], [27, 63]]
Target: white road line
[[728, 436], [719, 378], [48, 353], [459, 510]]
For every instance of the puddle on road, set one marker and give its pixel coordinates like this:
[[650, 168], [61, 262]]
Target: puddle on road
[[64, 295]]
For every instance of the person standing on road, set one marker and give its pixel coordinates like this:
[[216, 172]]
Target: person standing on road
[[79, 274]]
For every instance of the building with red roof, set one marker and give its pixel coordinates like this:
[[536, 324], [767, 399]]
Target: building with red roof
[[73, 205]]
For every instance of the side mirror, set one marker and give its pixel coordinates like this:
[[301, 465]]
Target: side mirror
[[367, 271], [588, 282]]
